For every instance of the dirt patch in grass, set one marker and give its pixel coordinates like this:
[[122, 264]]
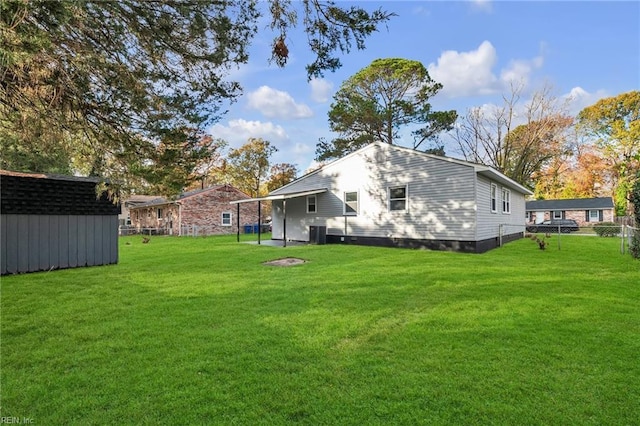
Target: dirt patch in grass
[[286, 261]]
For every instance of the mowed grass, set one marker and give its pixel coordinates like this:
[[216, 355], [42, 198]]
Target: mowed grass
[[198, 331]]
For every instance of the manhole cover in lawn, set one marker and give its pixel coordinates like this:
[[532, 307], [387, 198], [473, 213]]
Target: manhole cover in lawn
[[287, 261]]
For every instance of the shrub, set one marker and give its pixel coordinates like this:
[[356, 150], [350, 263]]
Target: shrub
[[607, 229]]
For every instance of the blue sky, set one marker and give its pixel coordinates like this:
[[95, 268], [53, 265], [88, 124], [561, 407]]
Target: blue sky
[[586, 50]]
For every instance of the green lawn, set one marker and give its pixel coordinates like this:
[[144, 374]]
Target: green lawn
[[199, 331]]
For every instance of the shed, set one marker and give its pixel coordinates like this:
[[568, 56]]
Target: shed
[[55, 222]]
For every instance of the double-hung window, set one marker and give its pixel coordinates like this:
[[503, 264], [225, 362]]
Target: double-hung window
[[506, 200], [557, 214], [350, 203], [311, 204], [494, 198], [226, 218], [398, 198], [594, 216], [159, 213]]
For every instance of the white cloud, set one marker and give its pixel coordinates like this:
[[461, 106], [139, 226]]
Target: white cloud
[[274, 103], [238, 131], [520, 70], [466, 73], [482, 5], [320, 89], [471, 73], [578, 99]]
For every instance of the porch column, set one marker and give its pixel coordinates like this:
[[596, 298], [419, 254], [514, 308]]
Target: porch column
[[238, 221], [284, 221]]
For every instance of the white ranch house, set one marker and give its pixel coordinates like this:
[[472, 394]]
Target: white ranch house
[[393, 196]]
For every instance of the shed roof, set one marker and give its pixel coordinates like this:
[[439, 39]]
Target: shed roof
[[571, 204], [49, 194]]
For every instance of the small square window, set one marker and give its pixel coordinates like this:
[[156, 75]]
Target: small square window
[[557, 214], [397, 198], [226, 219]]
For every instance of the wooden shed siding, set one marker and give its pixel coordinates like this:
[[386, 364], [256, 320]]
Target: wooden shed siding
[[42, 242]]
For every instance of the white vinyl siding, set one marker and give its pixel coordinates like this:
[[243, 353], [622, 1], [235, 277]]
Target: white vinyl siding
[[445, 200]]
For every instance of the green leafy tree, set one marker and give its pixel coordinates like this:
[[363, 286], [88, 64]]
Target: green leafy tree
[[634, 198], [111, 79], [379, 100], [614, 123], [248, 165]]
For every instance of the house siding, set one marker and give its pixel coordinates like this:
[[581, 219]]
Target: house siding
[[489, 222], [441, 198]]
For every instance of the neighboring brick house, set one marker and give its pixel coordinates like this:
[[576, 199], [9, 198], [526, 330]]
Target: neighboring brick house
[[206, 210], [585, 211], [134, 200]]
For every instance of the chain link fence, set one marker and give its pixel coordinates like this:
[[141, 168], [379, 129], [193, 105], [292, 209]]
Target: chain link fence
[[543, 233]]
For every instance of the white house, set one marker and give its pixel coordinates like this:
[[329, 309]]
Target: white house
[[392, 196]]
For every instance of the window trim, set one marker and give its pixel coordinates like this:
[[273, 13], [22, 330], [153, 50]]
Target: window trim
[[493, 198], [597, 218], [315, 203], [230, 218], [506, 201], [553, 214], [405, 198], [344, 203]]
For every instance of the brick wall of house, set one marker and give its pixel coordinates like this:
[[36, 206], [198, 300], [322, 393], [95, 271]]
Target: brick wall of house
[[204, 209], [580, 216]]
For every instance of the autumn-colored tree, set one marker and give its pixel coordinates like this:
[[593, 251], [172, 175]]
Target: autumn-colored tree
[[280, 175], [248, 165], [211, 166], [614, 124], [518, 145]]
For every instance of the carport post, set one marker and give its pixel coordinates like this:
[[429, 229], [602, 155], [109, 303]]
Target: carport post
[[238, 220], [259, 222], [284, 222]]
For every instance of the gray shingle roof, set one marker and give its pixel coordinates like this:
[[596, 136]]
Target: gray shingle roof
[[571, 204]]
